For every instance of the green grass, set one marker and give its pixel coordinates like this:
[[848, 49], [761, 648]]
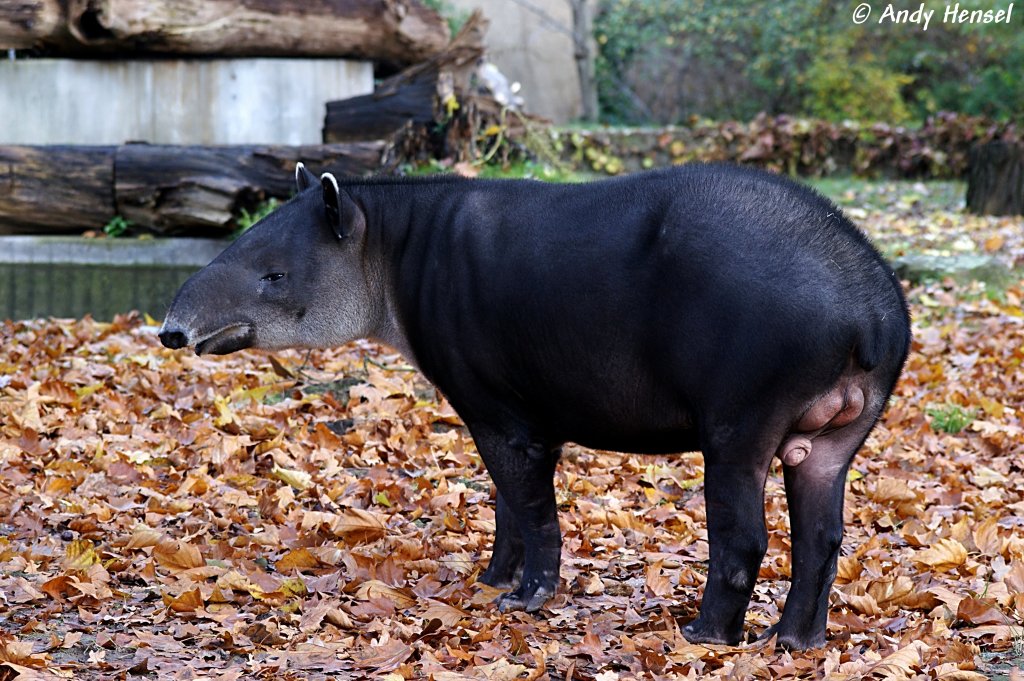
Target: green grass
[[949, 418], [526, 170], [853, 192]]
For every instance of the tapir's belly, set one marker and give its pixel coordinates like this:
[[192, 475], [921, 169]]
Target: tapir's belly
[[631, 416], [629, 441]]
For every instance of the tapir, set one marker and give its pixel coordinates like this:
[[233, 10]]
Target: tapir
[[702, 307]]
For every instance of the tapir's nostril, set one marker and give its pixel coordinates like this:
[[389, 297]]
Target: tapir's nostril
[[173, 339]]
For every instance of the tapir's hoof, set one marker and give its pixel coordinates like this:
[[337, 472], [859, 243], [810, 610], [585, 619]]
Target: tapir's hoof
[[496, 582], [698, 632], [789, 641], [517, 600], [501, 578]]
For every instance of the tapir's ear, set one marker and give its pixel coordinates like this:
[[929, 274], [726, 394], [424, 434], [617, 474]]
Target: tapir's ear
[[303, 178], [343, 214]]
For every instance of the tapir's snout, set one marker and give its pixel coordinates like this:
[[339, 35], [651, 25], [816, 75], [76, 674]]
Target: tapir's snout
[[173, 339], [215, 325]]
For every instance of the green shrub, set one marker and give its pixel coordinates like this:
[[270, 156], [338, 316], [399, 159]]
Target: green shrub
[[841, 87], [949, 418], [455, 17], [118, 226], [664, 61], [246, 220]]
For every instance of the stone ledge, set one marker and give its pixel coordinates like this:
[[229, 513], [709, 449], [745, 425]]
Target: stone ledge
[[70, 277], [115, 252], [961, 268]]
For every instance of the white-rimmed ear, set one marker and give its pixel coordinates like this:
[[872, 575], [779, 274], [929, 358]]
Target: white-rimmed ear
[[303, 178], [343, 215]]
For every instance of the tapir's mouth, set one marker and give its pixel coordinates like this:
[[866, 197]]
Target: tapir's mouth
[[228, 339]]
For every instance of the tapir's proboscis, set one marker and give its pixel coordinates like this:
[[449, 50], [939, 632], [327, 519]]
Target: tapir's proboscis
[[704, 307]]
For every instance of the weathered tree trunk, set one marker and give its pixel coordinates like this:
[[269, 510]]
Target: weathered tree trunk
[[171, 189], [164, 189], [26, 23], [995, 179], [583, 52], [402, 31], [55, 190], [420, 94], [383, 113]]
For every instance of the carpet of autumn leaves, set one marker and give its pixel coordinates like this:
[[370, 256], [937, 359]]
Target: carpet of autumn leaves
[[325, 516]]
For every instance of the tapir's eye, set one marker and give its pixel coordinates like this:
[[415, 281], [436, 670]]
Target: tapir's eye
[[273, 276]]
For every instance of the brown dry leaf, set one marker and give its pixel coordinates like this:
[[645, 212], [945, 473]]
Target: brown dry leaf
[[80, 555], [377, 589], [448, 616], [977, 611], [351, 524], [144, 537], [177, 556], [944, 555], [892, 491], [189, 601], [296, 559], [314, 612], [384, 657], [20, 653], [994, 242], [903, 663]]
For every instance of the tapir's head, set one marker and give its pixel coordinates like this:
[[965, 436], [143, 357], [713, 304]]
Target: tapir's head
[[296, 279]]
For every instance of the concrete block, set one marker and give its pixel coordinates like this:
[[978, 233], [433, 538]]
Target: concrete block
[[193, 101]]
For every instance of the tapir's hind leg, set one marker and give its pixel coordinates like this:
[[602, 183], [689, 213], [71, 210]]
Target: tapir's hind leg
[[814, 489]]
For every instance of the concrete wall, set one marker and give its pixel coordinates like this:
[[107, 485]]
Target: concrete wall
[[528, 49], [69, 277], [220, 101]]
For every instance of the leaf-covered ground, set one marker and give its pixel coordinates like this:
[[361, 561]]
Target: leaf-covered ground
[[178, 516], [325, 516], [926, 218]]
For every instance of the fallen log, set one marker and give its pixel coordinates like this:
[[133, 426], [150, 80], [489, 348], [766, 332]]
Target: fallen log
[[995, 179], [382, 114], [160, 188], [55, 189], [399, 31], [170, 189], [27, 23], [424, 93]]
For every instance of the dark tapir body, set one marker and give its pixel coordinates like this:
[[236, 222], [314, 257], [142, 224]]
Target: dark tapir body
[[704, 307]]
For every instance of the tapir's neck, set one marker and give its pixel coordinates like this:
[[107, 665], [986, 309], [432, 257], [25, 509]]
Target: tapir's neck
[[398, 214]]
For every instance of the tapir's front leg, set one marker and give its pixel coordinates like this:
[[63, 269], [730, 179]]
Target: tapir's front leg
[[736, 466], [506, 566], [526, 518]]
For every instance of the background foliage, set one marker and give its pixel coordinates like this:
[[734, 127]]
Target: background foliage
[[664, 61]]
